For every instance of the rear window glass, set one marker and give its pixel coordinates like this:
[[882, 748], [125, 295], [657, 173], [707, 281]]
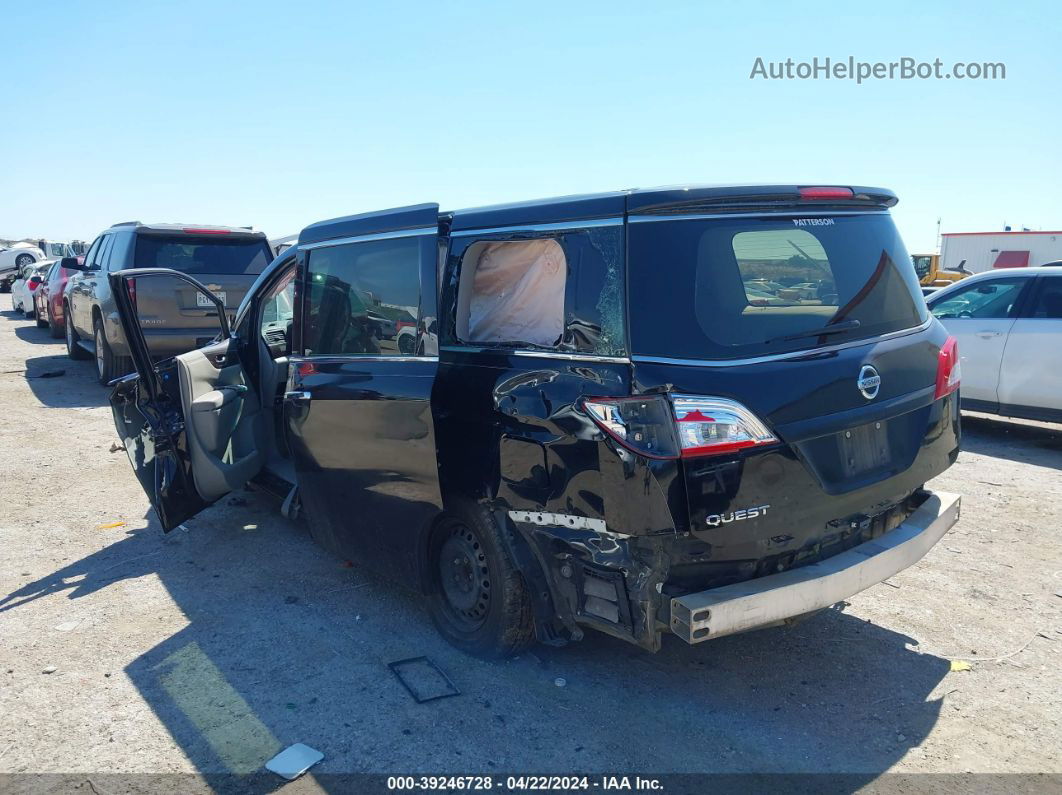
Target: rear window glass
[[738, 287], [199, 256]]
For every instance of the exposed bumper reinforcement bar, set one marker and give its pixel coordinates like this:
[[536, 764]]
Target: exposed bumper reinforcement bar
[[768, 600]]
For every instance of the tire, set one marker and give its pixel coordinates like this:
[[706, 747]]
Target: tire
[[54, 328], [73, 350], [42, 322], [477, 598], [108, 366], [24, 259]]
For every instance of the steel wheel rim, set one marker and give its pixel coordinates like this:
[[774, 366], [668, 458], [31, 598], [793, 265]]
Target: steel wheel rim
[[69, 333], [464, 577]]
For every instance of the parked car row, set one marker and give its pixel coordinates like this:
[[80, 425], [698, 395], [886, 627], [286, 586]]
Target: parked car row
[[21, 254], [16, 258]]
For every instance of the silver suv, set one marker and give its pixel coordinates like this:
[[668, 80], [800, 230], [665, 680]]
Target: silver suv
[[175, 320]]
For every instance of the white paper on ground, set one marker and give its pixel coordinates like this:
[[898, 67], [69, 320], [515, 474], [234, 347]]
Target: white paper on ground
[[294, 760]]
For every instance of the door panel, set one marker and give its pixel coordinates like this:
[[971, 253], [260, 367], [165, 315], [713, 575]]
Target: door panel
[[981, 344], [358, 404], [150, 429], [188, 422], [363, 443], [224, 420], [1031, 374]]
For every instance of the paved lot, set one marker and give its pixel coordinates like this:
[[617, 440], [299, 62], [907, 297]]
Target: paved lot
[[209, 650]]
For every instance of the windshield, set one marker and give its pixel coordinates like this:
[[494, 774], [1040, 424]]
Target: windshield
[[198, 256], [728, 288]]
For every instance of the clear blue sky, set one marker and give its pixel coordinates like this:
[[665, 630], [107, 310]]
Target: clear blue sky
[[278, 114]]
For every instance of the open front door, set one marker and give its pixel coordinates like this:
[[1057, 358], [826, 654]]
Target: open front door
[[190, 423]]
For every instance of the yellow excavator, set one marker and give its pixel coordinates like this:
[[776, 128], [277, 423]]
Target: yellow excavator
[[930, 274]]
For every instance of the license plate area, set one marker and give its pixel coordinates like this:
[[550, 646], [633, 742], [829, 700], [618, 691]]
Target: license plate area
[[864, 448], [205, 302]]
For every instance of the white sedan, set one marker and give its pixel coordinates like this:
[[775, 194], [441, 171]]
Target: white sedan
[[1008, 324], [28, 279]]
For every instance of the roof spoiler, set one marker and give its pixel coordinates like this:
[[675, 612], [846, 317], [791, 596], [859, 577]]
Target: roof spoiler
[[757, 197]]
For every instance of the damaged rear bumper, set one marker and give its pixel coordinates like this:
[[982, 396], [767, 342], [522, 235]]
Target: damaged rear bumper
[[764, 601]]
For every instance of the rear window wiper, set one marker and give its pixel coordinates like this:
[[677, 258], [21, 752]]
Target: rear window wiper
[[836, 328]]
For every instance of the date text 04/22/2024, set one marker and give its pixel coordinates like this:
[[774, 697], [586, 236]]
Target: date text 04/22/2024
[[524, 783]]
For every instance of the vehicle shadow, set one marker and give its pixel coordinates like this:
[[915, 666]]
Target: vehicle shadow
[[35, 335], [1039, 444], [58, 381], [284, 643]]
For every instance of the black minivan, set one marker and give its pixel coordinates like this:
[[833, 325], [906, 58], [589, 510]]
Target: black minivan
[[691, 410]]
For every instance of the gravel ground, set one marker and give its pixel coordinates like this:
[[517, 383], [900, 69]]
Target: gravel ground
[[206, 651]]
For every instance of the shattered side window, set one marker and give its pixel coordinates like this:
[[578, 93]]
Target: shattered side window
[[562, 292], [594, 313]]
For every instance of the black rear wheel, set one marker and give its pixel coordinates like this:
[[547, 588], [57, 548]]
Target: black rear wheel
[[478, 599]]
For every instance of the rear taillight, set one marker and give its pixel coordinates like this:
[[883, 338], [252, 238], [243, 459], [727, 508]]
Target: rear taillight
[[687, 426], [826, 193], [643, 424], [33, 283], [948, 371], [711, 426]]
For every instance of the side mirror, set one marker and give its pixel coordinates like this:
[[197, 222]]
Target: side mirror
[[71, 264]]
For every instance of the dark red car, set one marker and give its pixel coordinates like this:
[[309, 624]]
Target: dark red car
[[48, 297]]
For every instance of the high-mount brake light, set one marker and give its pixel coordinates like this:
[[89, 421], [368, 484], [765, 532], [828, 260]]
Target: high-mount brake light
[[948, 371], [826, 193], [641, 424], [713, 426], [189, 231]]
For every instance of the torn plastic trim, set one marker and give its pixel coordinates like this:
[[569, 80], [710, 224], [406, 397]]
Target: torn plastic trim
[[565, 554], [546, 519]]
